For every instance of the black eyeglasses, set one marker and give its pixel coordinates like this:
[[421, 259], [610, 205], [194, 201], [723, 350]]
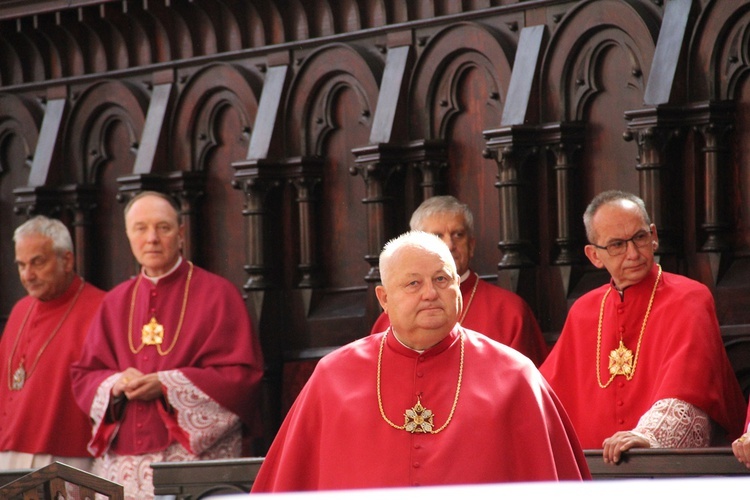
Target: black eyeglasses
[[619, 247]]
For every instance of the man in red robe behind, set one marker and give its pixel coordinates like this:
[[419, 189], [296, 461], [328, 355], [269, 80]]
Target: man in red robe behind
[[640, 362], [171, 366], [43, 336], [427, 402], [496, 312]]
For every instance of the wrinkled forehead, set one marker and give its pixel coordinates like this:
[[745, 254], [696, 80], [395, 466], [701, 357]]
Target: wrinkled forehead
[[619, 216], [419, 260], [151, 209], [32, 245]]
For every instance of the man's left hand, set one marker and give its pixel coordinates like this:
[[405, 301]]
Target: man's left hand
[[619, 442], [144, 388]]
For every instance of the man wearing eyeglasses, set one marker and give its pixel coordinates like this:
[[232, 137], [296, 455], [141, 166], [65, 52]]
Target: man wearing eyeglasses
[[640, 361]]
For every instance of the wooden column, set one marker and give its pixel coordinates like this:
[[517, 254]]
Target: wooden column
[[79, 202], [376, 164], [565, 141], [306, 176], [256, 179], [654, 129], [511, 147]]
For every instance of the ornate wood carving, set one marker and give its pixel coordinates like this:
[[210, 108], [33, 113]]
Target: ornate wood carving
[[653, 131], [256, 179], [715, 122], [565, 141], [78, 203], [511, 148], [376, 164]]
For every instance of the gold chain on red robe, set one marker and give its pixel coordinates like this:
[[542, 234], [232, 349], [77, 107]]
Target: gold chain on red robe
[[621, 360], [152, 332], [18, 379], [418, 418]]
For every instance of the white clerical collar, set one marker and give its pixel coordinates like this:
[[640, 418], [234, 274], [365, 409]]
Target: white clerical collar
[[465, 275], [420, 351], [156, 279]]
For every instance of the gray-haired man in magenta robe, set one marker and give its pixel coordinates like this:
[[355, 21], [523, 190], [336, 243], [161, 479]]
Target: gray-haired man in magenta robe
[[171, 365]]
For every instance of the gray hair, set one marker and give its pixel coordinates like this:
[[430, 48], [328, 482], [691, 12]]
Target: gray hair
[[609, 197], [441, 204], [53, 229], [415, 239]]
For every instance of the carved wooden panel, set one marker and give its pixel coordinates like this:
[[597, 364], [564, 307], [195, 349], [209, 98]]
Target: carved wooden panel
[[20, 120], [462, 86], [212, 127], [329, 113]]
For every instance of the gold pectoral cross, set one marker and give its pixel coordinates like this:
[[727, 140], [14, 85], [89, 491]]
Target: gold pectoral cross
[[152, 333], [418, 419], [19, 378], [621, 361]]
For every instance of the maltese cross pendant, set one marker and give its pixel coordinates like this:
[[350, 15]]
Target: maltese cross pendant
[[621, 361]]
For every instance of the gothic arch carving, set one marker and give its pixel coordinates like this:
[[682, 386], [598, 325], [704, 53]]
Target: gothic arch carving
[[95, 112], [580, 44], [722, 51], [584, 77], [202, 102], [65, 49], [215, 24], [176, 41], [106, 34], [20, 121], [10, 64], [270, 18], [441, 67], [309, 110]]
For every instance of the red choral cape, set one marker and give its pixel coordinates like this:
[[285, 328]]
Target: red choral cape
[[33, 419], [217, 350], [682, 356], [498, 313], [507, 425]]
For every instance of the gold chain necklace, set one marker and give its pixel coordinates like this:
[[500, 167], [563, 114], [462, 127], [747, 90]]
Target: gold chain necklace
[[621, 361], [152, 332], [468, 304], [418, 418], [17, 380]]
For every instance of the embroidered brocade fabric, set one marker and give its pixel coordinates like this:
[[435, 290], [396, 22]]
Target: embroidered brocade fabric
[[214, 432], [673, 423]]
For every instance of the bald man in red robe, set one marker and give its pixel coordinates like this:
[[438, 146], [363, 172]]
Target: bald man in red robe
[[496, 312], [428, 402], [640, 362]]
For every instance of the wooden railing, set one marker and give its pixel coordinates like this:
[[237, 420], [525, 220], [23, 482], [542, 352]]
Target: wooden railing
[[660, 462], [194, 480], [58, 480]]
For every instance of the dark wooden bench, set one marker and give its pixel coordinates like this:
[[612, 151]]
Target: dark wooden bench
[[662, 463], [6, 476], [58, 480], [194, 480]]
